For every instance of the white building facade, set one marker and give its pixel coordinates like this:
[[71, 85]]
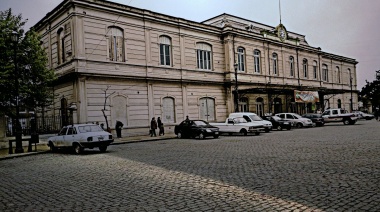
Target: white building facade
[[131, 64]]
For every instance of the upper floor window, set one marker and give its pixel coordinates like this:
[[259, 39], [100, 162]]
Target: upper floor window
[[337, 74], [116, 44], [275, 64], [325, 73], [203, 56], [61, 46], [304, 64], [256, 57], [165, 50], [241, 59], [291, 61], [315, 69]]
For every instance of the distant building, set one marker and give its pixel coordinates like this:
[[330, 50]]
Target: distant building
[[156, 65]]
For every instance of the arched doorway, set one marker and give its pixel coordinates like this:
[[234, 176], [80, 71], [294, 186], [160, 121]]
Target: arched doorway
[[207, 109]]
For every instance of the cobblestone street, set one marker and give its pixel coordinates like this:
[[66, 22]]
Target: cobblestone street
[[331, 168]]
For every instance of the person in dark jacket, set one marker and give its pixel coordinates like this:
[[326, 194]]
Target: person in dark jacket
[[160, 127], [153, 127], [119, 126]]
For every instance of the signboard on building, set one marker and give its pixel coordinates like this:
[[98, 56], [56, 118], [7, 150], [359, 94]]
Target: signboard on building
[[306, 96]]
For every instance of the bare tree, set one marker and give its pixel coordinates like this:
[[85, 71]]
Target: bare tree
[[104, 106]]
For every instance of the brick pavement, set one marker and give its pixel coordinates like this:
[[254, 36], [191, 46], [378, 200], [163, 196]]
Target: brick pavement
[[333, 168]]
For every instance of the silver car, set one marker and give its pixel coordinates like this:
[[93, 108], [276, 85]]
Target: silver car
[[296, 120]]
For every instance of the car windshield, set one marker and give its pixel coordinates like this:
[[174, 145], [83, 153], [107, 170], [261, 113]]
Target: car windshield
[[276, 118], [89, 128], [63, 131], [200, 123], [297, 116], [255, 118]]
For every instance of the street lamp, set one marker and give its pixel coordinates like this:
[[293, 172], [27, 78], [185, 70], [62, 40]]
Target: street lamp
[[236, 89], [19, 149]]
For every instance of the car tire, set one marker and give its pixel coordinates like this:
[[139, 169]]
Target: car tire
[[77, 149], [216, 136], [267, 130], [179, 134], [103, 148], [299, 125], [257, 133], [201, 136], [289, 128], [244, 132], [279, 127], [346, 122], [52, 147]]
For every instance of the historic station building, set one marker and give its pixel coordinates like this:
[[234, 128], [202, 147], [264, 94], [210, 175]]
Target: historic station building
[[132, 64]]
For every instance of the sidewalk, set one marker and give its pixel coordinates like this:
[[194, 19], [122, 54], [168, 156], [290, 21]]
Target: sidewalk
[[43, 148]]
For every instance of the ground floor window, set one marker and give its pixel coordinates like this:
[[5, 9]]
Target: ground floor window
[[207, 109], [260, 106], [243, 104]]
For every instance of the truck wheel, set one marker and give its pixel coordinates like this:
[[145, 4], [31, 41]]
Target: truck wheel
[[244, 131], [103, 148], [201, 136], [279, 127], [77, 149], [346, 121], [299, 125]]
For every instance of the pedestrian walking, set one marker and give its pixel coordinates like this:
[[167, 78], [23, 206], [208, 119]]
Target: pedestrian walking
[[160, 127], [119, 126], [153, 127]]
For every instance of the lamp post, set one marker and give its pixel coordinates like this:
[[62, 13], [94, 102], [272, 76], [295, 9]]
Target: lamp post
[[236, 89], [351, 101], [19, 149]]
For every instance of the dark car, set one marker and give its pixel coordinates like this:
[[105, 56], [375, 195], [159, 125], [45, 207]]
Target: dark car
[[278, 123], [196, 128], [316, 118]]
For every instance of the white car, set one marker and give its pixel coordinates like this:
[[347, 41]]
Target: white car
[[252, 117], [363, 115], [80, 136], [296, 120]]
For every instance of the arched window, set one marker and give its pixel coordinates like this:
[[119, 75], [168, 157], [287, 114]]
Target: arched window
[[243, 104], [338, 74], [275, 64], [241, 59], [291, 63], [339, 103], [116, 44], [315, 69], [61, 46], [256, 57], [207, 109], [165, 50], [325, 73], [168, 105], [304, 64], [204, 56], [260, 106]]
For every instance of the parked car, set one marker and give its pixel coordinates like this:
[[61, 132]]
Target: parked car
[[296, 120], [81, 136], [252, 117], [239, 125], [362, 115], [278, 123], [316, 118], [196, 128], [339, 115]]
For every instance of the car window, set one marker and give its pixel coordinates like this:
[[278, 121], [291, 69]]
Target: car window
[[334, 112], [289, 116], [63, 131], [240, 120], [282, 116], [255, 118], [70, 131], [200, 123]]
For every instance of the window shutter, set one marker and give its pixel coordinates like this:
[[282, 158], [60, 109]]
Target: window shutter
[[111, 48], [119, 47]]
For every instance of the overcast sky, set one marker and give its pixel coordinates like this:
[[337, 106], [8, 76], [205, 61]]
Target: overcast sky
[[348, 28]]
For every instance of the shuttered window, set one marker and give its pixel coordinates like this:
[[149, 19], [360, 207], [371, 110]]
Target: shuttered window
[[203, 56], [165, 50], [116, 44]]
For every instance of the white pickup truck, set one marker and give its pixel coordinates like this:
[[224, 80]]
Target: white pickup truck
[[339, 115], [239, 125]]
